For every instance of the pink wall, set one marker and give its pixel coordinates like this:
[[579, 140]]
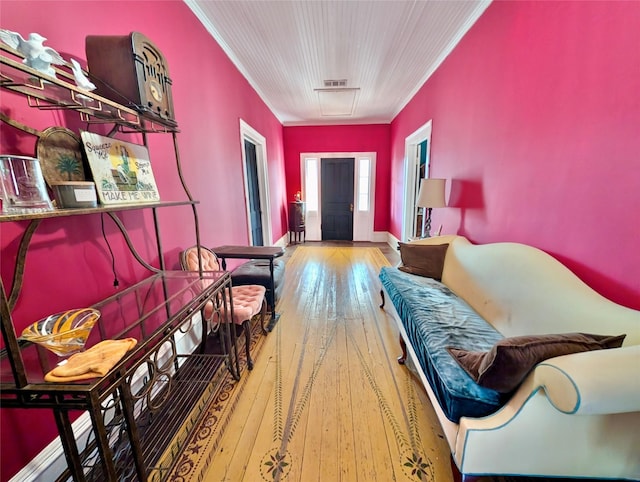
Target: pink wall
[[68, 264], [344, 138], [536, 118], [535, 121]]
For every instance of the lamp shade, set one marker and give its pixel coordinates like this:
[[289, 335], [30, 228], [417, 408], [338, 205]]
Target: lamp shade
[[431, 194]]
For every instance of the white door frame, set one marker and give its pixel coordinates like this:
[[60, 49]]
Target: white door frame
[[411, 167], [362, 220], [249, 133]]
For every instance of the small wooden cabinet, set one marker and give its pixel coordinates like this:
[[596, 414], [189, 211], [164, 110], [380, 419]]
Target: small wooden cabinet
[[297, 228]]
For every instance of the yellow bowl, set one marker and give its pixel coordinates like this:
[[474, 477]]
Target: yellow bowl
[[63, 333]]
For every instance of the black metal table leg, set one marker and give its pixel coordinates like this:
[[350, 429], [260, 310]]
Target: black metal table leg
[[274, 316]]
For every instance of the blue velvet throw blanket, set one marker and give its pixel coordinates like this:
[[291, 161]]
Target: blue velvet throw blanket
[[435, 318]]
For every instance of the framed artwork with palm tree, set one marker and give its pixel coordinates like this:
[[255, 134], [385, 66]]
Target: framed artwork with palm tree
[[59, 151]]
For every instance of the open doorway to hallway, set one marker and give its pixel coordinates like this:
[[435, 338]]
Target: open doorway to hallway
[[256, 185], [416, 167]]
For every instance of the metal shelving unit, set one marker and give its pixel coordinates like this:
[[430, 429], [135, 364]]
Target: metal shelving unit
[[143, 408]]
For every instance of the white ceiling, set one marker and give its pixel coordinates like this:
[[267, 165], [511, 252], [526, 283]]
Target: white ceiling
[[385, 49]]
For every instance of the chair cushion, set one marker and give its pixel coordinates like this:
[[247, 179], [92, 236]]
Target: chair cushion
[[247, 301]]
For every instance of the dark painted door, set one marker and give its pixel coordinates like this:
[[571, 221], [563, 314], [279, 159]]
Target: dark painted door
[[337, 198], [255, 211]]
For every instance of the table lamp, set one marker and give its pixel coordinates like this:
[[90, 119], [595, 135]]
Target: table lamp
[[430, 195]]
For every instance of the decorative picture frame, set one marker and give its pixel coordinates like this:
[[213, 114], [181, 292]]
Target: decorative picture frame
[[60, 153], [121, 170]]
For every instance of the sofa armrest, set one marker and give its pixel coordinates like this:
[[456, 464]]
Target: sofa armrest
[[595, 382]]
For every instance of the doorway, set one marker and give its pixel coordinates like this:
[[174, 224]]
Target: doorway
[[362, 192], [253, 188], [337, 198], [416, 167], [256, 185]]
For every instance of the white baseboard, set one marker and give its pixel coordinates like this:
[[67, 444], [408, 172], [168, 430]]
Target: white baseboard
[[390, 239], [282, 242], [378, 237], [50, 462]]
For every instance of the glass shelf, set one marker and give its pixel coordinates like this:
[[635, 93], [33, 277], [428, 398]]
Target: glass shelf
[[142, 404], [56, 213], [148, 311]]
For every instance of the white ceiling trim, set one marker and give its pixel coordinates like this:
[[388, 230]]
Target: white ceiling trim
[[386, 49], [194, 5], [481, 6]]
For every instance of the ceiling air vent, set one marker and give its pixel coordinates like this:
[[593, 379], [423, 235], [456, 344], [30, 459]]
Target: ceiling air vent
[[335, 83]]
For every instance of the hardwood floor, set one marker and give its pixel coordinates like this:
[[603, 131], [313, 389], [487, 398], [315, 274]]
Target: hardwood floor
[[326, 400]]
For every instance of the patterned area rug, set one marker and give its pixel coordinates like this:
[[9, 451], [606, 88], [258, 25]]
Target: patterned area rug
[[201, 445]]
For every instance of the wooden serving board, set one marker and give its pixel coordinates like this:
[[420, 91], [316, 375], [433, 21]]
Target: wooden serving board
[[60, 153]]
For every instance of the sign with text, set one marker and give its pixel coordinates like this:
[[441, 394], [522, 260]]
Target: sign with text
[[121, 170]]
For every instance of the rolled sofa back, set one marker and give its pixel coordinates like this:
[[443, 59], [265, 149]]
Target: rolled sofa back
[[521, 290]]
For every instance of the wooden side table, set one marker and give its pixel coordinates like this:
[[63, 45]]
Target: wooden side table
[[297, 227]]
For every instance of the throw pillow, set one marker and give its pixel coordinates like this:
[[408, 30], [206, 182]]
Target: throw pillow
[[509, 361], [423, 259]]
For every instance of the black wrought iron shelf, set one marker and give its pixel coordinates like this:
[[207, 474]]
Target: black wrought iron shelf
[[125, 445], [164, 433], [145, 408]]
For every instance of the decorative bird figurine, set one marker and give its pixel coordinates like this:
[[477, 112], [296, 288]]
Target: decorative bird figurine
[[82, 80], [36, 55]]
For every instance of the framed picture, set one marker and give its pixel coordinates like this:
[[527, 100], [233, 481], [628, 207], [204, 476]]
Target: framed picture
[[121, 170]]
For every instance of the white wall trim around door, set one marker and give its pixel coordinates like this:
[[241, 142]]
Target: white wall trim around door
[[362, 220], [249, 133], [410, 176]]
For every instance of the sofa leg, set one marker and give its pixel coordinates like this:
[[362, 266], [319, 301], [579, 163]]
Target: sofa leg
[[471, 478], [459, 477], [382, 296], [402, 358]]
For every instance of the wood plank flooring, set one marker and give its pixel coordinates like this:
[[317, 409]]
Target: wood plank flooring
[[326, 400]]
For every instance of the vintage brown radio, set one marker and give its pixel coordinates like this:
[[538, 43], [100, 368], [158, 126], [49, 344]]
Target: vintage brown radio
[[132, 71]]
